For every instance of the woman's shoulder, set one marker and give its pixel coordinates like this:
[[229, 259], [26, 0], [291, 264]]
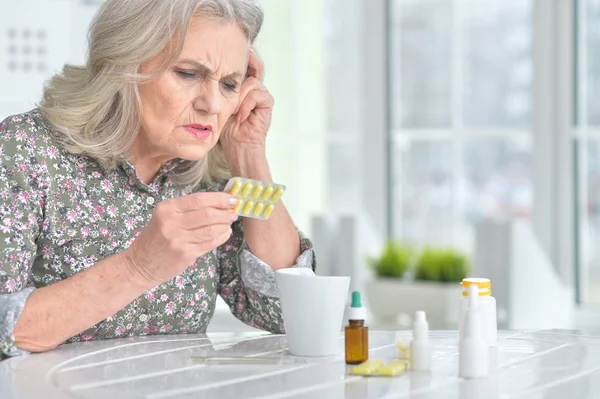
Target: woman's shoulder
[[28, 134], [28, 128]]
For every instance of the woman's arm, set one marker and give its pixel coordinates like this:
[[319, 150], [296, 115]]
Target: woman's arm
[[57, 312], [275, 241]]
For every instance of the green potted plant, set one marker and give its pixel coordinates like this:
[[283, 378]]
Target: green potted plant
[[441, 265], [433, 286], [393, 262]]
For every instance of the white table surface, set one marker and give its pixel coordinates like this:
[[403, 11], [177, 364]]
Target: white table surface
[[537, 364]]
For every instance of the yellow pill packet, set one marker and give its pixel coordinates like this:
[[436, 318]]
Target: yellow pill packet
[[377, 368], [367, 367], [257, 198]]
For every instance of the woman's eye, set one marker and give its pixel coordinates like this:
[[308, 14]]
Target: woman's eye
[[186, 75], [230, 86]]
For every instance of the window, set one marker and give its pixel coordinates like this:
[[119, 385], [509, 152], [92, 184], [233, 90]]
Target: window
[[587, 139], [461, 78]]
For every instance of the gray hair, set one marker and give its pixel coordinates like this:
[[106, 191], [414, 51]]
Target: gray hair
[[96, 107]]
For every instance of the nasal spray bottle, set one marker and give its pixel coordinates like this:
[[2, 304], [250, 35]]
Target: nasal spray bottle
[[473, 348], [420, 346]]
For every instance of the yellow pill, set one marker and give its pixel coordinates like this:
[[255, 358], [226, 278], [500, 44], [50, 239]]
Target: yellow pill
[[248, 207], [367, 368], [257, 191], [258, 209], [394, 367], [235, 189], [267, 193], [238, 207], [278, 193], [246, 190], [268, 211]]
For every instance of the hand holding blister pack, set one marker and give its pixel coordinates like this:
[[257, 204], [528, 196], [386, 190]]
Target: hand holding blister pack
[[257, 198]]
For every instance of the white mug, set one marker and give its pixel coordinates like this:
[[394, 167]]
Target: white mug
[[313, 311]]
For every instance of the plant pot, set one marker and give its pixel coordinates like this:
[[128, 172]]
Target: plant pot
[[390, 299]]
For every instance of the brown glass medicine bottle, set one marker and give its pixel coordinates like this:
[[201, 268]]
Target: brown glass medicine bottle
[[356, 332]]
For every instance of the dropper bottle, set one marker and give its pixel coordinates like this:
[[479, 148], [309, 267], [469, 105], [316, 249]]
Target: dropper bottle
[[420, 346], [473, 349], [356, 332]]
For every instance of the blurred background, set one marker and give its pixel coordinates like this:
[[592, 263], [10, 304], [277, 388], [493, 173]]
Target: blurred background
[[421, 141]]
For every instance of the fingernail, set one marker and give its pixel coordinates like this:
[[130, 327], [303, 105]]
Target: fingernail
[[233, 201], [234, 217]]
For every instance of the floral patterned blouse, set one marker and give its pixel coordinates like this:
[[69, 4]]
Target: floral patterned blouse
[[61, 213]]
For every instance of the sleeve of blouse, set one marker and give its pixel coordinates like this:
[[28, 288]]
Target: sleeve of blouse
[[20, 222], [247, 284]]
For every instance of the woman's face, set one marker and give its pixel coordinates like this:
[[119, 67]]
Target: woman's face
[[186, 107]]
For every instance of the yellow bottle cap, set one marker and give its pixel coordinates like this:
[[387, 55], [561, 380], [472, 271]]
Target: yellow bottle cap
[[484, 285]]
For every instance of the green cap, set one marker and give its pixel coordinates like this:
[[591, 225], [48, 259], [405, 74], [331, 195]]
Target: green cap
[[356, 300]]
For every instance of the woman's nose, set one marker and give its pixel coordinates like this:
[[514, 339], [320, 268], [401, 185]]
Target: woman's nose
[[209, 98]]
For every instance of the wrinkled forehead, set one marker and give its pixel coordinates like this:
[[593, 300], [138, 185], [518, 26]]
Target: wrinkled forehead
[[221, 46]]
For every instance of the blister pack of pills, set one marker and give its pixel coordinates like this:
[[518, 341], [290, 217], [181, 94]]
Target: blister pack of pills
[[257, 198], [377, 368]]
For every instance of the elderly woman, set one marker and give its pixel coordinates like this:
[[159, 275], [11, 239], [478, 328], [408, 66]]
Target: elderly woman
[[113, 218]]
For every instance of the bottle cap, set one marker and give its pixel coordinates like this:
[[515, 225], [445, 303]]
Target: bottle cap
[[484, 285], [356, 311]]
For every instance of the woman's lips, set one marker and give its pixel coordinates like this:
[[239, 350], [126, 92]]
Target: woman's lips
[[199, 131]]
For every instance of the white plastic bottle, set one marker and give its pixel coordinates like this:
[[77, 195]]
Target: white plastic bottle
[[487, 306], [473, 349], [420, 346]]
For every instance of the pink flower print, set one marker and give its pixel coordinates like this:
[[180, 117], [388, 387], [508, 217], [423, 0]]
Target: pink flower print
[[104, 232], [87, 337], [180, 282], [99, 210], [23, 196], [203, 275], [188, 314], [71, 216], [164, 298], [11, 285], [130, 224], [112, 211], [150, 296], [204, 304], [68, 184], [16, 119], [211, 271], [46, 252], [152, 329], [129, 326], [20, 135], [239, 308], [52, 152], [202, 292], [179, 296], [6, 224], [71, 233], [225, 292], [128, 195], [106, 186], [192, 303], [114, 244], [136, 233], [85, 231], [119, 331], [229, 247], [96, 174], [18, 214], [165, 328], [170, 308], [32, 219]]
